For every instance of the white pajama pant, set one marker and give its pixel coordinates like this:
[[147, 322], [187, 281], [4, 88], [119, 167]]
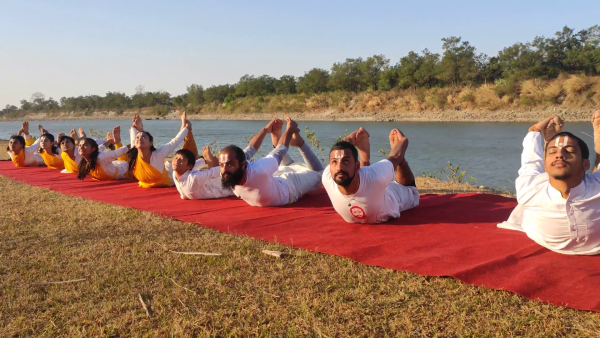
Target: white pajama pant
[[299, 180], [407, 197]]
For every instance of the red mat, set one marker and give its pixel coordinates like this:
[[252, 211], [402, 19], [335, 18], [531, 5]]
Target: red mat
[[447, 235]]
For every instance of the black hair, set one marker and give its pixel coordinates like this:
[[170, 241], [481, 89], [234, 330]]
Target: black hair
[[63, 137], [187, 154], [54, 146], [342, 145], [239, 153], [585, 151], [133, 152], [85, 166], [19, 138]]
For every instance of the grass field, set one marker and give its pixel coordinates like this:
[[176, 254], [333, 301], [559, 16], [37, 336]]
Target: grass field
[[123, 253]]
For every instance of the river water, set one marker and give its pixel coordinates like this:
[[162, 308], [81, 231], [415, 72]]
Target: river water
[[489, 152]]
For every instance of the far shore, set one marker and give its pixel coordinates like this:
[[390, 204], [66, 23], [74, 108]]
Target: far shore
[[526, 115]]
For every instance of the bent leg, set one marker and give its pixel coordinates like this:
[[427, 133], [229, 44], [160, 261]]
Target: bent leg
[[406, 196], [286, 160], [404, 175], [310, 158], [300, 183]]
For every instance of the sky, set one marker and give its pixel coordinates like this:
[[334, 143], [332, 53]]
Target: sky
[[72, 48]]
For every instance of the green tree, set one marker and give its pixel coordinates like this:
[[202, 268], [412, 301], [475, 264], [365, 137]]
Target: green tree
[[218, 93], [347, 76], [195, 95], [313, 81], [429, 69], [388, 78], [407, 68], [25, 105], [488, 68], [371, 71], [285, 85], [458, 65]]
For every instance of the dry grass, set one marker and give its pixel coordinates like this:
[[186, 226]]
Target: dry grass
[[123, 253], [567, 92]]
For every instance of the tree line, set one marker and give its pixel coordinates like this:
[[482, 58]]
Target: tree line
[[459, 64]]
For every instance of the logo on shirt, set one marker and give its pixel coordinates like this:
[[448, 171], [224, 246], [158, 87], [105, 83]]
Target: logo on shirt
[[358, 212]]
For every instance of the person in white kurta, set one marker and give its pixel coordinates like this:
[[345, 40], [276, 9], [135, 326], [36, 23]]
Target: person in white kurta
[[365, 193], [199, 184], [559, 204], [194, 183], [256, 182]]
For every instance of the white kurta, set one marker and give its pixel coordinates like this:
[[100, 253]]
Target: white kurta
[[109, 163], [568, 226], [199, 184]]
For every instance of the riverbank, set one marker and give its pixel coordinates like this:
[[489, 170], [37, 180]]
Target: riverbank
[[569, 115]]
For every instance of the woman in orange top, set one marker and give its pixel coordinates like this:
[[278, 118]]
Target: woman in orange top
[[146, 163], [50, 152], [101, 166], [21, 155], [23, 150], [70, 152]]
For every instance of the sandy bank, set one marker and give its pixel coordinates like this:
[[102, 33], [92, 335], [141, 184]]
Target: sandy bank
[[525, 115]]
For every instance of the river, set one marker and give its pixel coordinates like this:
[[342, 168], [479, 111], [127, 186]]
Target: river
[[489, 152]]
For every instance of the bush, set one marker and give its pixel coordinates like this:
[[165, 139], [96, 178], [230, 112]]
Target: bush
[[160, 110], [486, 97], [507, 87], [532, 92]]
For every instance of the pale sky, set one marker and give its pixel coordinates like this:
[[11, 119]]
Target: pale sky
[[72, 48]]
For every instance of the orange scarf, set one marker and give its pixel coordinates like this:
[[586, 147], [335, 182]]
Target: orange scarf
[[124, 158], [98, 174], [19, 160], [149, 177], [70, 164], [53, 161], [29, 142]]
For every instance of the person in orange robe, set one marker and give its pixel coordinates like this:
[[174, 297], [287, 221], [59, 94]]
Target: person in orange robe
[[101, 166], [147, 163]]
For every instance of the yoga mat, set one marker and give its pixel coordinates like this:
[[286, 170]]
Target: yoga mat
[[446, 235]]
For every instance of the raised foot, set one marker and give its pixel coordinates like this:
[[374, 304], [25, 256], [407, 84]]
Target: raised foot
[[297, 140], [398, 142]]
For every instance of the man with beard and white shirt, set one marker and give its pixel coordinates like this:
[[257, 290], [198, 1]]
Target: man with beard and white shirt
[[559, 204], [365, 193], [193, 183], [264, 183]]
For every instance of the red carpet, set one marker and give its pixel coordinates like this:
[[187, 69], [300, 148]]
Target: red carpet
[[447, 235]]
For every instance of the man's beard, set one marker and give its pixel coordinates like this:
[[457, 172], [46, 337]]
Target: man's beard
[[562, 177], [230, 180], [344, 182], [565, 174]]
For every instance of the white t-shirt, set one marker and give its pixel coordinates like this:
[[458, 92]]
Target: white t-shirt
[[199, 184], [373, 202], [262, 189]]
